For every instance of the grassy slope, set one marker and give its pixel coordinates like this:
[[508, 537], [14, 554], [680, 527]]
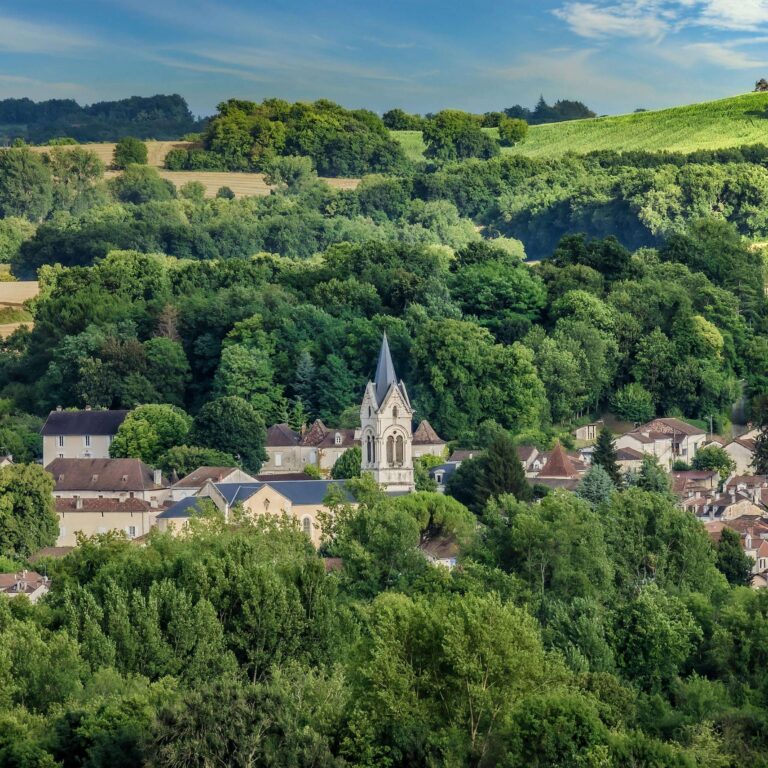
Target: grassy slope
[[712, 125]]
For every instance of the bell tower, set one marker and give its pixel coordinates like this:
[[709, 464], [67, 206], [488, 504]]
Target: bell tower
[[386, 432]]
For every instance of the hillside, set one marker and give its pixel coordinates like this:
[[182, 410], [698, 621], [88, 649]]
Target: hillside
[[711, 125]]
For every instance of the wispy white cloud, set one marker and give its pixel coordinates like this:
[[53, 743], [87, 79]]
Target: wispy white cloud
[[653, 19], [20, 36]]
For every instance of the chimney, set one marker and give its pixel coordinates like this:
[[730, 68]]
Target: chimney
[[158, 477], [78, 502], [58, 408], [87, 407]]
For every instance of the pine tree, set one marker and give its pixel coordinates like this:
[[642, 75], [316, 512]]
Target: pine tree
[[304, 385], [596, 486], [652, 477], [503, 472], [605, 455]]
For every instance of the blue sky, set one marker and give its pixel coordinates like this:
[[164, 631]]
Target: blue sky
[[616, 55]]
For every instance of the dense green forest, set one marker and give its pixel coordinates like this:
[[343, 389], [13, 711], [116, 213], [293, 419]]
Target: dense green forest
[[597, 629], [152, 117]]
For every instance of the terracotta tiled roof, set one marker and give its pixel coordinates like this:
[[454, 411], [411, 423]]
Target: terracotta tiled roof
[[628, 454], [458, 456], [315, 434], [109, 475], [559, 466], [103, 505], [202, 475], [526, 452], [49, 552], [748, 481], [425, 435], [281, 435], [676, 425]]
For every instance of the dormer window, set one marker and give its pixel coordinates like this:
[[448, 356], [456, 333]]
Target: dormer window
[[337, 439], [94, 478], [125, 478]]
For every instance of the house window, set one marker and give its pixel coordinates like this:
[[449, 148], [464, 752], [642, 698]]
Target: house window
[[61, 455], [87, 441], [61, 441], [337, 439], [132, 531], [306, 525], [278, 459], [439, 478]]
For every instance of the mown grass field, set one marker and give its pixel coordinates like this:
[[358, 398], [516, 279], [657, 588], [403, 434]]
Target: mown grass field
[[711, 125]]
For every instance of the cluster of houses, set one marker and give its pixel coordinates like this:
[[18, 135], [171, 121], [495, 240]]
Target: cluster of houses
[[95, 493]]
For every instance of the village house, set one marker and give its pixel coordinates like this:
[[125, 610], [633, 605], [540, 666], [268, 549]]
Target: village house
[[589, 432], [108, 479], [29, 583], [742, 451], [83, 434], [560, 470], [192, 483], [693, 482], [301, 500], [723, 506], [753, 533], [536, 464], [629, 460], [90, 516], [667, 439]]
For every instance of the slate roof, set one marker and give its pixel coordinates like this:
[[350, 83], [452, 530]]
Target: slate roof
[[386, 377], [83, 422], [426, 435], [446, 469], [114, 475], [298, 492], [182, 509], [202, 475]]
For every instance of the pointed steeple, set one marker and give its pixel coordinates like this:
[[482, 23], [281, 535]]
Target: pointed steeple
[[385, 371]]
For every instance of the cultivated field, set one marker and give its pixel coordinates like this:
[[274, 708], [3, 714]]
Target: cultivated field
[[12, 298], [711, 125], [156, 150], [242, 184]]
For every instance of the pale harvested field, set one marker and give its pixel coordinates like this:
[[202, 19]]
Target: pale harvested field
[[6, 329], [242, 184], [15, 294], [156, 150]]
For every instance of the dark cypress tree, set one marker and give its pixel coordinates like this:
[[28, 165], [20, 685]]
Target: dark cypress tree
[[503, 472], [304, 385], [732, 561], [605, 455]]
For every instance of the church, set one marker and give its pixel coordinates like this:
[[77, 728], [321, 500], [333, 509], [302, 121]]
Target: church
[[385, 413], [386, 438]]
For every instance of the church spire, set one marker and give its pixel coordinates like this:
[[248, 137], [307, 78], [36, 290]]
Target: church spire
[[385, 371]]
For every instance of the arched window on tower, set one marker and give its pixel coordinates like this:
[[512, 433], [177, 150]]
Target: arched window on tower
[[369, 448], [306, 525], [400, 450], [390, 450]]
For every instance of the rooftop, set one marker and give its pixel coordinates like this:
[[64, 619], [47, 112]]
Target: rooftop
[[116, 475], [85, 422]]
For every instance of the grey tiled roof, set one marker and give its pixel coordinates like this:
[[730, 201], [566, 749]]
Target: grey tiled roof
[[83, 422]]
